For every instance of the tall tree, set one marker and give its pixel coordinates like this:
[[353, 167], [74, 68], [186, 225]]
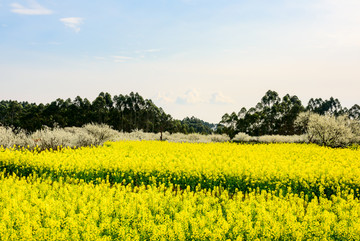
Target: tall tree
[[354, 112]]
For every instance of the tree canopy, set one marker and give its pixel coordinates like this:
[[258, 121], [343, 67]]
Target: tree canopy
[[270, 116], [276, 116], [122, 112]]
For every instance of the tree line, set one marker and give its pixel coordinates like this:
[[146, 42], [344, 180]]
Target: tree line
[[272, 115], [122, 112], [276, 116]]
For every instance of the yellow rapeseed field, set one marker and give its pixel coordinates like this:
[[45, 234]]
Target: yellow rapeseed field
[[150, 190]]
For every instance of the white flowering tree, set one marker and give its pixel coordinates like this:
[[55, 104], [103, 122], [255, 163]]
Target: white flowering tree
[[329, 130]]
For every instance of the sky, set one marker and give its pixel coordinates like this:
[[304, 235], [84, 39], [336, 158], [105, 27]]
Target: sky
[[199, 58]]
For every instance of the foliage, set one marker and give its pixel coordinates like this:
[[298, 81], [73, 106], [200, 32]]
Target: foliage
[[329, 130], [326, 107], [271, 116], [271, 120], [90, 135], [243, 137], [124, 113], [10, 138], [101, 133], [276, 116], [196, 125]]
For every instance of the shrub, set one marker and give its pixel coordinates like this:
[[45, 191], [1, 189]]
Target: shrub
[[219, 138], [242, 137], [8, 138], [88, 135], [100, 133], [47, 138], [282, 139]]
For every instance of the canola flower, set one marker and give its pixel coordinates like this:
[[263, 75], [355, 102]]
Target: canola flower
[[152, 190], [40, 209], [310, 170]]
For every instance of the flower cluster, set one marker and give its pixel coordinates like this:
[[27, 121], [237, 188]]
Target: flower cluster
[[150, 190]]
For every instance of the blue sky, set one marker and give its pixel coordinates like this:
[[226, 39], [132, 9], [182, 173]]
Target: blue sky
[[192, 57]]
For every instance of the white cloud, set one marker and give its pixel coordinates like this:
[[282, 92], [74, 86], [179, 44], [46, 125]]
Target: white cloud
[[4, 25], [72, 22], [220, 98], [190, 97], [121, 59], [33, 8], [193, 96], [166, 98]]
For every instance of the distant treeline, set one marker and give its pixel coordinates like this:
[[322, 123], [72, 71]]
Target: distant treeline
[[276, 116], [271, 116], [122, 112]]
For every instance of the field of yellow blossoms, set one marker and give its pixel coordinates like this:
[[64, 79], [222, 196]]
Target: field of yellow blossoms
[[151, 190]]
